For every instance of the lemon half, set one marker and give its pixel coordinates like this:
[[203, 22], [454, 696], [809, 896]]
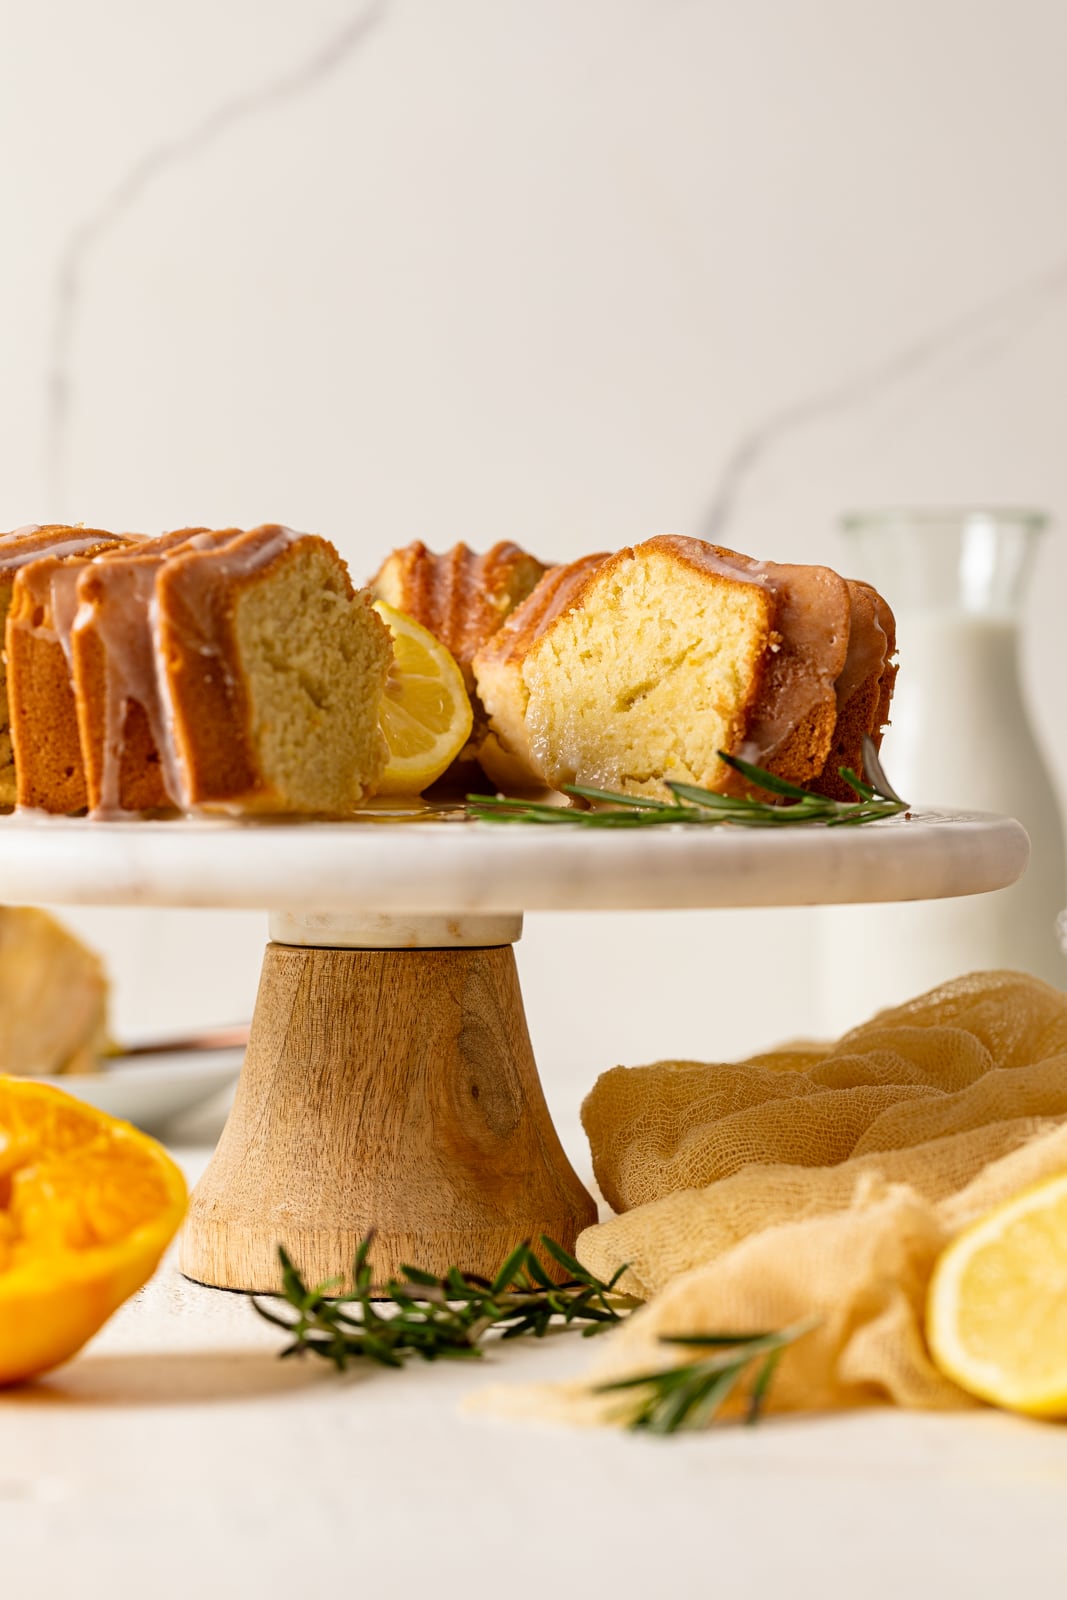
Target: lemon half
[[997, 1306], [425, 714]]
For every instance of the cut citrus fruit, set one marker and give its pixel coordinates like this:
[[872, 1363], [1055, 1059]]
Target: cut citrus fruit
[[87, 1207], [425, 713], [997, 1308]]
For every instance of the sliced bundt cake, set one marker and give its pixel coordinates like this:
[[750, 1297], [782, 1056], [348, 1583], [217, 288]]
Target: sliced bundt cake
[[663, 655]]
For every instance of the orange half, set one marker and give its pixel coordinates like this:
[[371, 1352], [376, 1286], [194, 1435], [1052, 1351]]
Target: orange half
[[87, 1207]]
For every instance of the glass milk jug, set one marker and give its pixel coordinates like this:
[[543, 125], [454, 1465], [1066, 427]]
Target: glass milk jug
[[960, 736]]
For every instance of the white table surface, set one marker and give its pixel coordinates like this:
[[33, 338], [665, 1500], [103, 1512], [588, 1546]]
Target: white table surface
[[177, 1457]]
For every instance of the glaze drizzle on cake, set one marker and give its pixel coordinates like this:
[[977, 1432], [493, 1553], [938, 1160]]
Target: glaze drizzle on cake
[[641, 667], [205, 670]]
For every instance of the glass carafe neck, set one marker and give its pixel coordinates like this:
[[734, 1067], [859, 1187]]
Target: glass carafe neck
[[971, 561]]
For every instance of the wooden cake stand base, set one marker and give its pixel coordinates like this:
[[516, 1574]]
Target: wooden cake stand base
[[390, 1087]]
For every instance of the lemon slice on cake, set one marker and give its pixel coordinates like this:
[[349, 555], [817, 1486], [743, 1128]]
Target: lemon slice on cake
[[425, 714], [997, 1309]]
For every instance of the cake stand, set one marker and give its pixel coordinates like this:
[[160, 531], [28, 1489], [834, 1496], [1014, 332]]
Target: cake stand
[[389, 1080]]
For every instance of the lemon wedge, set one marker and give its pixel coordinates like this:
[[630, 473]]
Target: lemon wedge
[[996, 1319], [425, 714]]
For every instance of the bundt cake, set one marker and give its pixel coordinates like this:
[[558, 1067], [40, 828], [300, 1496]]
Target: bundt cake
[[233, 671], [641, 667], [39, 569]]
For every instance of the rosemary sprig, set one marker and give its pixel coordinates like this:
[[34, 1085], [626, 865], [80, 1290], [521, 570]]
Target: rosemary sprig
[[440, 1318], [792, 805], [447, 1318], [691, 1395]]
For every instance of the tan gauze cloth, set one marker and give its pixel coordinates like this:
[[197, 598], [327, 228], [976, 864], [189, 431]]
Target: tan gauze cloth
[[820, 1183]]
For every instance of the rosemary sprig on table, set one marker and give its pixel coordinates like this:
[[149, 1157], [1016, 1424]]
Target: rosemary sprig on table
[[447, 1318], [441, 1318], [691, 1395], [874, 799]]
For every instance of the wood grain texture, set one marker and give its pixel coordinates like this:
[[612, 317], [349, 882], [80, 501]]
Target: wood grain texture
[[392, 1089]]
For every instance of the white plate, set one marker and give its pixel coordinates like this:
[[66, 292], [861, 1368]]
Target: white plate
[[150, 1093]]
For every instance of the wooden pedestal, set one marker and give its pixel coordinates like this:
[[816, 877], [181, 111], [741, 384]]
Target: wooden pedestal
[[392, 1089]]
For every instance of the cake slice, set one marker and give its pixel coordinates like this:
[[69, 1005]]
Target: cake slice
[[503, 752], [663, 655], [124, 741], [271, 671], [40, 754]]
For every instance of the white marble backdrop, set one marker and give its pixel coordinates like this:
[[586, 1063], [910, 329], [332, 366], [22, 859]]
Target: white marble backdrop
[[567, 271]]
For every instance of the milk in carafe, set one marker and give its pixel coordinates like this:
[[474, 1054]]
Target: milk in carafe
[[960, 736]]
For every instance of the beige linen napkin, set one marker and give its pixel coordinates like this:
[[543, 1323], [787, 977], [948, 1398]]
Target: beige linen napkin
[[819, 1183]]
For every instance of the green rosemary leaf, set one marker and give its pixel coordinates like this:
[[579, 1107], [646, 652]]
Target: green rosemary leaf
[[641, 802], [413, 1275], [279, 1322], [716, 1341], [693, 1404], [708, 800], [518, 1258], [758, 1396], [567, 1261], [639, 819], [537, 1272], [690, 1394], [872, 766], [763, 779], [498, 807], [856, 784]]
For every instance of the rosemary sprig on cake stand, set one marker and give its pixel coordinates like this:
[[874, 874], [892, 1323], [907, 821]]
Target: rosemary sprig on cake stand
[[793, 805], [448, 1318]]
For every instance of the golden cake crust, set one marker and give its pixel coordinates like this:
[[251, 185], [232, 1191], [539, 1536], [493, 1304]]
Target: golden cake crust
[[776, 706], [115, 674], [39, 570], [864, 689], [461, 597], [200, 598], [790, 715]]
